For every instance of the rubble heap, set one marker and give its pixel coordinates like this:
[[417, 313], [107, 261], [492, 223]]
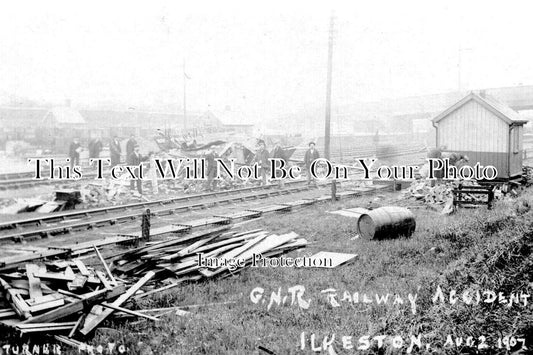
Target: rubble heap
[[438, 194], [70, 300], [442, 193]]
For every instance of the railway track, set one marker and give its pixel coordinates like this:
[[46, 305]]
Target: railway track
[[64, 222], [28, 174], [24, 180], [382, 151], [16, 256], [14, 176], [13, 181]]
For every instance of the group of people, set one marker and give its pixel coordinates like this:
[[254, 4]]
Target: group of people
[[132, 156], [262, 159], [96, 146], [455, 159]]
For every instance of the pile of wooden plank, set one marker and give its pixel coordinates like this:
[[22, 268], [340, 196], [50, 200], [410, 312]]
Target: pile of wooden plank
[[68, 299], [177, 260], [44, 298]]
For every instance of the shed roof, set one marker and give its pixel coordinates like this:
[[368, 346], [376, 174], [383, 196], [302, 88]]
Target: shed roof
[[501, 110]]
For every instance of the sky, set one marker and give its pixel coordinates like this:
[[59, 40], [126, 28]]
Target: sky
[[262, 58]]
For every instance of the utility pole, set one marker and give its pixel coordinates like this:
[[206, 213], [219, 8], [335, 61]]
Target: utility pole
[[328, 105], [459, 67], [184, 98], [328, 90], [459, 86]]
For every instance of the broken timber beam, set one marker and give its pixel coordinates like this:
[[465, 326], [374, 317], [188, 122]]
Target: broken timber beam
[[98, 315], [77, 306], [129, 311], [33, 282], [105, 265], [16, 301]]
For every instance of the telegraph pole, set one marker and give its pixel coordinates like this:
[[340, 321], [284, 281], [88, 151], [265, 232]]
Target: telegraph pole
[[328, 89], [328, 104], [184, 98], [459, 86], [459, 68]]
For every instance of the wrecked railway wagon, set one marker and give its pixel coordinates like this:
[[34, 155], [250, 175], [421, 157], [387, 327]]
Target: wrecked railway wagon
[[485, 130]]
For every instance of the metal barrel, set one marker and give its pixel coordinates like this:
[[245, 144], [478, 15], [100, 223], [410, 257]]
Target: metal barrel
[[386, 222]]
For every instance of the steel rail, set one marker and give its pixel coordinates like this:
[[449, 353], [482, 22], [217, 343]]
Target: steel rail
[[72, 214], [200, 201]]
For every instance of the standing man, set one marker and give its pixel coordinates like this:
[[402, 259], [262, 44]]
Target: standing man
[[310, 156], [262, 160], [74, 152], [90, 147], [189, 140], [210, 160], [279, 153], [115, 150], [436, 153], [135, 158], [152, 173], [130, 145], [95, 147]]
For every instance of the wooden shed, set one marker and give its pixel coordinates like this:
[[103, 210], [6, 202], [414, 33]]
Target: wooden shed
[[486, 130]]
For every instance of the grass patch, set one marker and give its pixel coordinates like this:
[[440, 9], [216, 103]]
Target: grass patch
[[473, 249]]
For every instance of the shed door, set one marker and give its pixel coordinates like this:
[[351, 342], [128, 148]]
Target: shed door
[[515, 154]]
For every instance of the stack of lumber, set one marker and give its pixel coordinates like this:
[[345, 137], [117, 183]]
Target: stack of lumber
[[43, 298], [178, 259], [68, 299]]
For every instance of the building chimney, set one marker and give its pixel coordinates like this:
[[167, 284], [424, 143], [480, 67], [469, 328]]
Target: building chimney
[[482, 93]]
